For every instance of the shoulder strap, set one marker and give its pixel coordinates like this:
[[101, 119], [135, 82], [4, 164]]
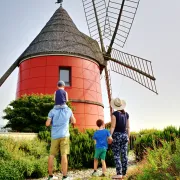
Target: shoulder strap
[[126, 119]]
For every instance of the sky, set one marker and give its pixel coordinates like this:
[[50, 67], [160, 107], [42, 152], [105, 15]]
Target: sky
[[154, 36]]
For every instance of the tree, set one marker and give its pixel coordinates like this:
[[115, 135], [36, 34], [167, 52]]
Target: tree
[[29, 113]]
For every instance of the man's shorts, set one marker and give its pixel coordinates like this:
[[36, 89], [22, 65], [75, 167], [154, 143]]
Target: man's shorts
[[100, 154], [61, 144]]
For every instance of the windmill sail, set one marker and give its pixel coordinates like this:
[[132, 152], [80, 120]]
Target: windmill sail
[[133, 67], [97, 19], [120, 15], [8, 72]]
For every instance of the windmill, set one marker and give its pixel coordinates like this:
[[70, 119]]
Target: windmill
[[111, 22], [60, 51]]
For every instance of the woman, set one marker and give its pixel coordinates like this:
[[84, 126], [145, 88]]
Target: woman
[[120, 132]]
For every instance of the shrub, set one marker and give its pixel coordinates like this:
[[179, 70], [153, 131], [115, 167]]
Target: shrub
[[11, 170], [160, 163], [34, 148], [147, 131], [40, 168], [45, 135], [176, 156], [29, 113], [23, 158], [4, 154], [108, 125], [146, 138], [82, 150]]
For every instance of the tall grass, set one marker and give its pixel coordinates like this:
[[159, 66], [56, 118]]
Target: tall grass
[[160, 163], [22, 159], [146, 139]]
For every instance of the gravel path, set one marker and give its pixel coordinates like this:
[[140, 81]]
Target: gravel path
[[85, 174]]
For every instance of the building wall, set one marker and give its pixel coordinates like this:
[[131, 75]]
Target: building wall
[[41, 74]]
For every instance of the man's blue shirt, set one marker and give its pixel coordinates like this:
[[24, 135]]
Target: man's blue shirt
[[60, 118], [101, 138]]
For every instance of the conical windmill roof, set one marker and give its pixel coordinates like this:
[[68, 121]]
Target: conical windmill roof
[[61, 36]]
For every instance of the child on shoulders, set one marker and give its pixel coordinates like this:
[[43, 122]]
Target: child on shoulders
[[60, 95]]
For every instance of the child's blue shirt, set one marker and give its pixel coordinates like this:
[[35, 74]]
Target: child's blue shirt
[[101, 138]]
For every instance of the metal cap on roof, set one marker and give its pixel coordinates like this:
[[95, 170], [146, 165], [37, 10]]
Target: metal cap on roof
[[61, 36]]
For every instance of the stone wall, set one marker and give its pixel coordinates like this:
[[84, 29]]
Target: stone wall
[[19, 135]]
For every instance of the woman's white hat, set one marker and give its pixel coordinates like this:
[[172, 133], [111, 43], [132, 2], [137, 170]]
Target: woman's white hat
[[118, 104]]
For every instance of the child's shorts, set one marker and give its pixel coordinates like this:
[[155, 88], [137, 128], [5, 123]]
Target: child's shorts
[[100, 154]]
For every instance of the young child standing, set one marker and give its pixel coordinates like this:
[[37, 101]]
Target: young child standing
[[60, 96], [101, 138]]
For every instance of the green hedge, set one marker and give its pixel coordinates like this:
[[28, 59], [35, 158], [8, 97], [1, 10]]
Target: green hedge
[[23, 158], [162, 163], [146, 138]]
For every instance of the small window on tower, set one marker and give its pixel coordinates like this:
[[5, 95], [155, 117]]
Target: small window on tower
[[65, 75]]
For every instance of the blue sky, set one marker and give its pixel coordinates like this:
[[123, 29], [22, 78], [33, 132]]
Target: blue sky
[[154, 36]]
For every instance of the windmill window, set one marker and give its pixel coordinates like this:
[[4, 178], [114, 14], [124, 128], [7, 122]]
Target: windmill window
[[65, 75]]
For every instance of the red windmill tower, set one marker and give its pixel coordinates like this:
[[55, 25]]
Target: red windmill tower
[[61, 51]]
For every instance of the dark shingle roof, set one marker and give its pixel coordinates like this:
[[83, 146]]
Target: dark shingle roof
[[61, 36]]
